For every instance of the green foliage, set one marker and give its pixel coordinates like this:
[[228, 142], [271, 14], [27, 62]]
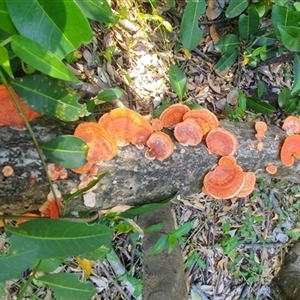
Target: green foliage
[[190, 33], [177, 80], [68, 151]]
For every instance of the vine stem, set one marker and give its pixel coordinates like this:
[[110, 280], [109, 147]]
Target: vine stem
[[28, 127], [29, 280]]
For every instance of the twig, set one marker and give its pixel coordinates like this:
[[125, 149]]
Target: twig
[[202, 55], [256, 246]]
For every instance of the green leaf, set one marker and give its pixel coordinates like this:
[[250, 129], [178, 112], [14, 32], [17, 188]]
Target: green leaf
[[138, 210], [290, 37], [190, 33], [48, 265], [68, 286], [40, 58], [68, 151], [19, 257], [296, 67], [154, 228], [96, 10], [4, 61], [259, 105], [177, 80], [248, 24], [281, 15], [160, 245], [226, 61], [235, 8], [60, 28], [5, 21], [228, 43], [108, 95], [260, 89], [61, 238], [172, 240], [50, 97], [184, 229], [69, 197]]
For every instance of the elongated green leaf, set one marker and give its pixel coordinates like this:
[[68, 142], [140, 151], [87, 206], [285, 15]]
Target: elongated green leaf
[[281, 15], [68, 286], [184, 229], [248, 24], [228, 43], [296, 67], [48, 265], [160, 245], [50, 97], [5, 21], [40, 58], [259, 105], [108, 95], [68, 151], [190, 33], [61, 238], [60, 28], [226, 61], [290, 37], [235, 8], [4, 61], [138, 210], [177, 80], [96, 10], [20, 256]]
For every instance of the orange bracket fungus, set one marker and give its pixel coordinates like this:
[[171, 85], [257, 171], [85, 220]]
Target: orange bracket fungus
[[101, 145], [271, 169], [9, 114], [221, 142], [247, 189], [291, 125], [290, 150], [56, 172], [205, 118], [126, 126], [225, 181], [160, 146], [157, 124], [188, 133], [173, 115], [261, 128]]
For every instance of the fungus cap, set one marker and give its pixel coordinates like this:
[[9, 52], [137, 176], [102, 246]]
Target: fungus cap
[[221, 142], [248, 187], [126, 126], [160, 146], [261, 128], [205, 118], [173, 115], [188, 133], [225, 181], [291, 125], [271, 169], [290, 150]]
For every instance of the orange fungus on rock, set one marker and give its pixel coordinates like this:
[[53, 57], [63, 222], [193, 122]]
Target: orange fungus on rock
[[160, 146], [188, 133], [221, 142], [173, 115], [290, 150]]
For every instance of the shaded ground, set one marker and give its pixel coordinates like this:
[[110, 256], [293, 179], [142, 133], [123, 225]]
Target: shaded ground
[[235, 247]]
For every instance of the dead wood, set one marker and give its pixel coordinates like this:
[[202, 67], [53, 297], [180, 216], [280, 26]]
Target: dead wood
[[131, 178]]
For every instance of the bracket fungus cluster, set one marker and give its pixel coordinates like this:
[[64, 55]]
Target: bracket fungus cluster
[[291, 145], [122, 126]]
